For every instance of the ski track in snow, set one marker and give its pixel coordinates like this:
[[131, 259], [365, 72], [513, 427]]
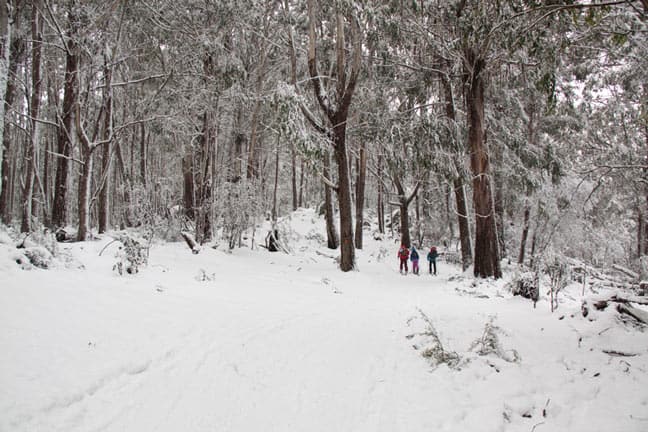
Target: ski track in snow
[[285, 343]]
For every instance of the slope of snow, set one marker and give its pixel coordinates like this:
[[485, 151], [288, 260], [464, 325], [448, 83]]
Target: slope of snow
[[252, 340]]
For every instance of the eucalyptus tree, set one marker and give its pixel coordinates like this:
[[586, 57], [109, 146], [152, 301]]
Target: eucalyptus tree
[[17, 49], [334, 96], [31, 154]]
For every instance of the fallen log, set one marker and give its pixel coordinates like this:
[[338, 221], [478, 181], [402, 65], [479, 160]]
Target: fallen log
[[619, 353], [191, 242], [625, 271], [638, 314]]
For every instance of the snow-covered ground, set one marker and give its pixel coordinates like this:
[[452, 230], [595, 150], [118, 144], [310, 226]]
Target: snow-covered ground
[[259, 341]]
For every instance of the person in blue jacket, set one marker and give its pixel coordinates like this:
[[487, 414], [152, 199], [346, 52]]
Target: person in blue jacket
[[414, 257], [432, 257]]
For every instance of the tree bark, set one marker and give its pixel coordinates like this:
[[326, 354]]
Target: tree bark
[[17, 50], [360, 193], [32, 148], [337, 114], [329, 213], [458, 183], [487, 258], [6, 27], [525, 232], [380, 200], [293, 178], [65, 131], [104, 196]]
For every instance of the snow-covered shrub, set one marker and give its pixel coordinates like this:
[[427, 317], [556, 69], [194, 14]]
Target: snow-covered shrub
[[525, 285], [489, 343], [431, 346], [41, 238], [39, 256], [132, 254]]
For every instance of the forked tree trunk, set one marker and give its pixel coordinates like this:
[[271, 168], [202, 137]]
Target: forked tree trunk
[[337, 114], [32, 148], [487, 258]]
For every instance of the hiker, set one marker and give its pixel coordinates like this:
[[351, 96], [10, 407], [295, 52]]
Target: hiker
[[431, 257], [403, 254], [414, 257]]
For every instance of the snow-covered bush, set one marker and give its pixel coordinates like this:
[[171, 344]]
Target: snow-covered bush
[[525, 285], [39, 256], [489, 343], [132, 254], [430, 344]]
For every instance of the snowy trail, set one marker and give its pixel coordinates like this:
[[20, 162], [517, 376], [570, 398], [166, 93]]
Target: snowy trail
[[283, 343]]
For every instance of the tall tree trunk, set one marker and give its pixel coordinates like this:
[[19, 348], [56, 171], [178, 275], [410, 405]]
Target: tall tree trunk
[[293, 178], [143, 154], [17, 50], [525, 231], [104, 195], [499, 213], [6, 28], [380, 200], [32, 148], [487, 258], [464, 224], [458, 183], [188, 184], [300, 202], [337, 114], [360, 193], [85, 178], [347, 248], [329, 213], [276, 184]]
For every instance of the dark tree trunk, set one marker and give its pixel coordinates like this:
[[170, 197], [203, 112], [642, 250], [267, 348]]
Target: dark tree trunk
[[404, 224], [65, 131], [347, 248], [188, 184], [84, 193], [381, 203], [329, 214], [360, 194], [143, 154], [458, 183], [276, 184], [464, 224], [293, 178], [499, 213], [525, 232], [300, 203], [337, 114], [487, 258], [104, 195]]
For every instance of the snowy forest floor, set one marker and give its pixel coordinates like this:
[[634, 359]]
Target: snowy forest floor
[[252, 340]]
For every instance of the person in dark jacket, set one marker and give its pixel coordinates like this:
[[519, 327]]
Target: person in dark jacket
[[432, 257], [403, 254], [414, 257]]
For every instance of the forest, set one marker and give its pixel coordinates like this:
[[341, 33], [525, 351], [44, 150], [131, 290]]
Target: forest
[[503, 129]]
